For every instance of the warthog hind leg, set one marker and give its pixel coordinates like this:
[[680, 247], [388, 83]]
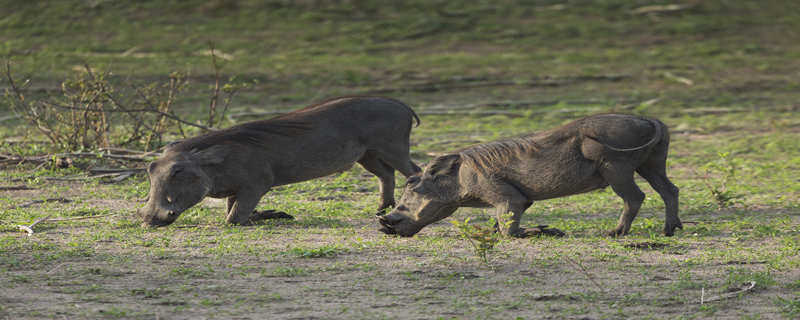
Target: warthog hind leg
[[654, 171], [620, 177], [385, 174]]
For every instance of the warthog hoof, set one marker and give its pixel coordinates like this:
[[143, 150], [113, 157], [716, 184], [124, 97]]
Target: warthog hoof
[[617, 232], [269, 214], [538, 231], [669, 230]]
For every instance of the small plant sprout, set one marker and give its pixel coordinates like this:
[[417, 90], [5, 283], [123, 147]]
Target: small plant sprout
[[720, 189], [483, 238]]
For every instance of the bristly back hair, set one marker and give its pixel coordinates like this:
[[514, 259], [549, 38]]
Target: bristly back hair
[[483, 156], [255, 133], [334, 101]]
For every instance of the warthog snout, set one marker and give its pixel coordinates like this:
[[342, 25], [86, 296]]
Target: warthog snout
[[388, 222], [395, 223]]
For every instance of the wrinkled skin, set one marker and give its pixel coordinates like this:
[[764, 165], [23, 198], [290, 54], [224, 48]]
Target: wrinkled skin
[[509, 175], [244, 162]]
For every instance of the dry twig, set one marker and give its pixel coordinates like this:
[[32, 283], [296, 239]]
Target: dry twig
[[661, 8], [747, 287], [29, 228], [585, 272], [17, 187], [30, 203]]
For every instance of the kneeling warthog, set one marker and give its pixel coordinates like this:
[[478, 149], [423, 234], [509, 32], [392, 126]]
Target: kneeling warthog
[[243, 162], [509, 175]]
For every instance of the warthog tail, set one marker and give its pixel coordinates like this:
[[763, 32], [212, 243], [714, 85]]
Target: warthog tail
[[414, 114]]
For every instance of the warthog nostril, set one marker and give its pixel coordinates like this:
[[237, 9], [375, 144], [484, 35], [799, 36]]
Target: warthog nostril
[[391, 219], [171, 213]]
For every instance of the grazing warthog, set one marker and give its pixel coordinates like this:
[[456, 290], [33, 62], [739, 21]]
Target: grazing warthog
[[243, 162], [509, 175]]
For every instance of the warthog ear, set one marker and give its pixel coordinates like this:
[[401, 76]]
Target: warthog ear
[[444, 164], [212, 155]]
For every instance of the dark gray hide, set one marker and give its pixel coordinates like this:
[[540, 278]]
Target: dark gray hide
[[509, 175], [243, 162]]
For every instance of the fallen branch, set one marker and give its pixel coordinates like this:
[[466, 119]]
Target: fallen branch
[[661, 8], [83, 218], [11, 117], [103, 155], [77, 177], [747, 287], [17, 187], [121, 176], [255, 114], [121, 151], [116, 176], [585, 272], [29, 228], [115, 171], [46, 158], [680, 79], [744, 262], [30, 203]]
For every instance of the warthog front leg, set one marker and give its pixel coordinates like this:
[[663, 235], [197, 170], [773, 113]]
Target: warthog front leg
[[260, 215], [241, 206], [506, 198]]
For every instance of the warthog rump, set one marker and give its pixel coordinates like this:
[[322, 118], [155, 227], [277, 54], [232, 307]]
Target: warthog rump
[[243, 162], [509, 175]]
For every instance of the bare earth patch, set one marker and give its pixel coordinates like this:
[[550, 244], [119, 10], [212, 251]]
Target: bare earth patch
[[110, 267]]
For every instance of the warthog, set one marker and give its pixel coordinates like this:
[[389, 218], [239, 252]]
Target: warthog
[[509, 175], [243, 162]]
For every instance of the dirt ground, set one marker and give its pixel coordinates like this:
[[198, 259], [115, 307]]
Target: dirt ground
[[109, 268]]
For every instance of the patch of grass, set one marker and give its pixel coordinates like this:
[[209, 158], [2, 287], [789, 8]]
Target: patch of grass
[[151, 293], [324, 251], [288, 272], [482, 238], [738, 276], [188, 272], [722, 190], [789, 307]]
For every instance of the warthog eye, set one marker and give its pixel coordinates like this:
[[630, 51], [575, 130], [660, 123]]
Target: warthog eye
[[169, 199]]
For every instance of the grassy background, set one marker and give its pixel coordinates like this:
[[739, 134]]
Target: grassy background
[[724, 75]]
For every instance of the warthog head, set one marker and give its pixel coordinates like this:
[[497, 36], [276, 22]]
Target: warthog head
[[429, 196], [177, 182]]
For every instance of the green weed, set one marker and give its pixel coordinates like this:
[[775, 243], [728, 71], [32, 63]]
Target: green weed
[[790, 307], [288, 272], [482, 238], [721, 189], [738, 276], [324, 251]]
